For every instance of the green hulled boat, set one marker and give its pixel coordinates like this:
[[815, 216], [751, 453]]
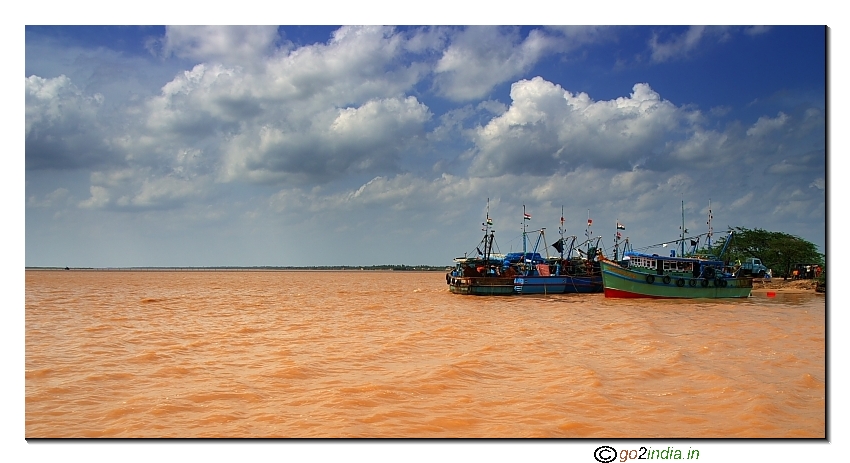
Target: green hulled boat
[[686, 277], [653, 276]]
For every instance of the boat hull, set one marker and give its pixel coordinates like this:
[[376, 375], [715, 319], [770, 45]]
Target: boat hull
[[481, 286], [621, 282], [557, 284]]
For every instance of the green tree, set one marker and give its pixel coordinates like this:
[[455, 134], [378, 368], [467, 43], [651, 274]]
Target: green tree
[[777, 250]]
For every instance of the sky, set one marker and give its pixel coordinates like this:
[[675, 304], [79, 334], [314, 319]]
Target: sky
[[348, 145]]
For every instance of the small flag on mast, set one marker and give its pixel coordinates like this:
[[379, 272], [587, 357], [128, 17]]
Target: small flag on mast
[[620, 226], [526, 216], [589, 222]]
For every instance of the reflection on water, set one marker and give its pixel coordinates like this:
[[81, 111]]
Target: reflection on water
[[394, 354]]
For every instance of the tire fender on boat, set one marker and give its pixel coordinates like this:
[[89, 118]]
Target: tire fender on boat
[[692, 283], [650, 279], [704, 283], [680, 282], [666, 279]]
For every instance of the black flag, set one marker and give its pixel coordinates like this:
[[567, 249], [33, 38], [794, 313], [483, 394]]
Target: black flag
[[559, 245]]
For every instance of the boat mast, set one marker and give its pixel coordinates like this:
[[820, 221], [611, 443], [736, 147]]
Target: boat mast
[[541, 235], [525, 217], [617, 241], [488, 247], [683, 230], [561, 232], [488, 235], [710, 230]]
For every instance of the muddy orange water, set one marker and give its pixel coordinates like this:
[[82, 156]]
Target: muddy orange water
[[394, 354]]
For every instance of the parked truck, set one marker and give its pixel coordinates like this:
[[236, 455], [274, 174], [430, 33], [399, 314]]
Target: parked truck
[[754, 267]]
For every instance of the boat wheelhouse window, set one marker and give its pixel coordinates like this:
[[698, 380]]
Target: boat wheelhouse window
[[678, 266], [642, 262]]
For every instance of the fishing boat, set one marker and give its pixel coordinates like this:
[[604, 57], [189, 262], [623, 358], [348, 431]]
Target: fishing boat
[[561, 274], [654, 276], [695, 275], [484, 273]]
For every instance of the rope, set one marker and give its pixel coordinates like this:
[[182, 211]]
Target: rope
[[678, 240]]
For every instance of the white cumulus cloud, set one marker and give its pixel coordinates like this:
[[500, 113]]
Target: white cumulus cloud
[[548, 128], [481, 57], [224, 44]]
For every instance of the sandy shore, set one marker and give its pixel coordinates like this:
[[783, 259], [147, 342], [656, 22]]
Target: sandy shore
[[784, 286]]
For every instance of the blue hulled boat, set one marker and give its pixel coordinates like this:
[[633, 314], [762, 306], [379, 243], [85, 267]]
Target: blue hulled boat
[[564, 273]]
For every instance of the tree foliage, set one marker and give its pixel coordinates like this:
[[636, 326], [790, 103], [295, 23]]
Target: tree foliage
[[777, 250]]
